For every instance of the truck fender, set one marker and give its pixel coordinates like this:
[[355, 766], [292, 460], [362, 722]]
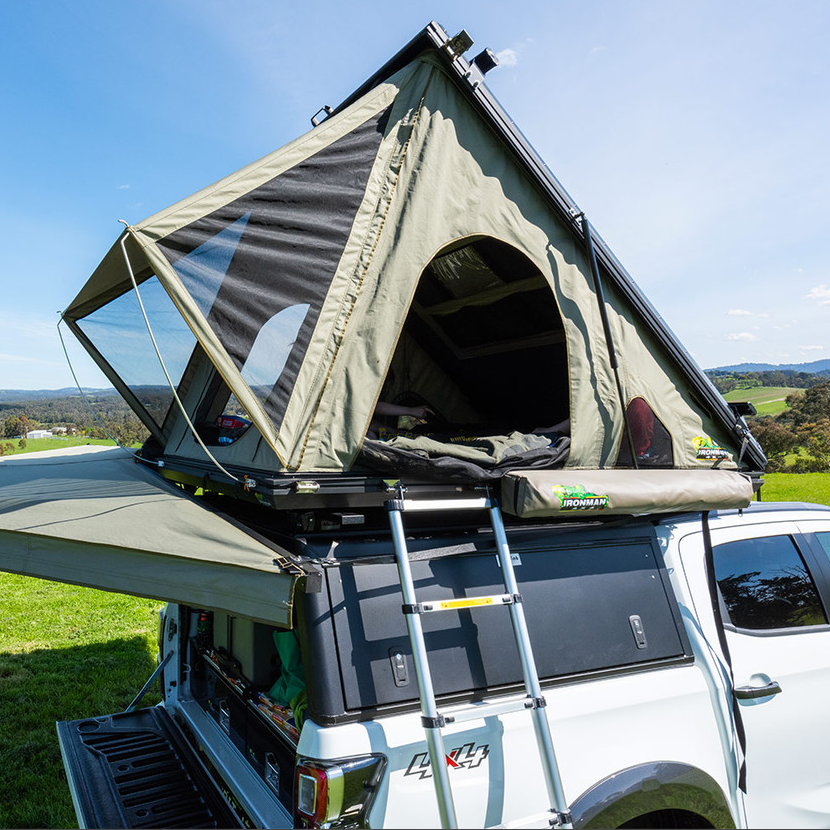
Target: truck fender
[[651, 788]]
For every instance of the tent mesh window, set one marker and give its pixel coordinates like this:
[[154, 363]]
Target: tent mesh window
[[119, 333], [485, 313], [220, 418], [652, 442], [260, 267]]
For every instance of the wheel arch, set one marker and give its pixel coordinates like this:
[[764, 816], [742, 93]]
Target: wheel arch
[[651, 788]]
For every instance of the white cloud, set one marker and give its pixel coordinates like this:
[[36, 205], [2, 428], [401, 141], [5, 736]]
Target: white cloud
[[19, 358], [821, 293], [741, 335], [811, 348], [26, 326], [739, 312], [123, 187], [507, 57], [595, 49]]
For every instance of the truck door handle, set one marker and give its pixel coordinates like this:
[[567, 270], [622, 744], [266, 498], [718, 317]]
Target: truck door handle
[[752, 692]]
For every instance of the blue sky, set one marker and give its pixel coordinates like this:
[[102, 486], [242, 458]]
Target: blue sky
[[694, 135]]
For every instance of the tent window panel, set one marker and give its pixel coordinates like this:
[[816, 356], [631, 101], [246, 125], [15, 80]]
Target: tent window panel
[[220, 418], [119, 333], [652, 442], [203, 269], [260, 267]]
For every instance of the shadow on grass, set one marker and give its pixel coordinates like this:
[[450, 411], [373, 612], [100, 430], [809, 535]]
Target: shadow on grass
[[40, 687]]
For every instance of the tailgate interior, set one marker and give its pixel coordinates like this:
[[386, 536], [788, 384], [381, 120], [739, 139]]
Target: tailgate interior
[[133, 770]]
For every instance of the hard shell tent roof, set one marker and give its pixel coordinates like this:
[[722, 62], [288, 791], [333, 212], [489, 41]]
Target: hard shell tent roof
[[414, 244]]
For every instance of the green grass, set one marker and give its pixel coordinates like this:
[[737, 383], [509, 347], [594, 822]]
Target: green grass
[[66, 652], [768, 400], [40, 444], [811, 487]]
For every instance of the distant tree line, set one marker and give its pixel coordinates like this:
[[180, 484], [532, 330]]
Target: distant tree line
[[804, 424], [74, 414], [726, 381]]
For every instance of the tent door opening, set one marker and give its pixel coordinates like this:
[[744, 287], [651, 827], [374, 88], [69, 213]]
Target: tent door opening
[[483, 344]]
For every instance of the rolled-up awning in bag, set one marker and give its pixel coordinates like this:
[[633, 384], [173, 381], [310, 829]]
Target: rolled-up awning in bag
[[93, 516], [537, 493]]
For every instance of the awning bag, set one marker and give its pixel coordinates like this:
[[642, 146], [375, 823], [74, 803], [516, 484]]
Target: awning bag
[[532, 493]]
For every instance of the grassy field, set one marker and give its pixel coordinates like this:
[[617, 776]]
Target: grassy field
[[768, 400], [40, 444], [812, 487], [65, 653]]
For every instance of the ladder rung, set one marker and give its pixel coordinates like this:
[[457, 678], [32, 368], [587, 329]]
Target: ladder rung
[[430, 606], [426, 505], [485, 710], [433, 721]]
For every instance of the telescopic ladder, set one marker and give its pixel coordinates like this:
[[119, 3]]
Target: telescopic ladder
[[432, 720]]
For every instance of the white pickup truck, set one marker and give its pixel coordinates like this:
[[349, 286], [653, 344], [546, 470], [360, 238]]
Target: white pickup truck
[[634, 645], [645, 711]]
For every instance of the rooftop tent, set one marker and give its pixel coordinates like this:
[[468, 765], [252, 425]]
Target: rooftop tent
[[411, 247]]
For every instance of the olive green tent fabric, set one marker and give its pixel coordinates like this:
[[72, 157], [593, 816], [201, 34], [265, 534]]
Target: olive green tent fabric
[[93, 516], [440, 178], [449, 179], [538, 493]]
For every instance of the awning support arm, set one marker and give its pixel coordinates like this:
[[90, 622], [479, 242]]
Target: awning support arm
[[606, 327]]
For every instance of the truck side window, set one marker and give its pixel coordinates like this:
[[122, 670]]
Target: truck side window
[[765, 584], [824, 541]]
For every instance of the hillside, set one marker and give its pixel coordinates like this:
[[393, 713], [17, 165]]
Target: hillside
[[726, 380], [768, 400], [815, 367], [24, 395], [97, 412]]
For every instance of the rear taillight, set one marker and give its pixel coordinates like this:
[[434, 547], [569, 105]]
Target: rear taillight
[[336, 793]]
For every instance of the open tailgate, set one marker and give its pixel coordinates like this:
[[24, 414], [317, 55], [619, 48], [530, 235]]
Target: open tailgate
[[133, 770]]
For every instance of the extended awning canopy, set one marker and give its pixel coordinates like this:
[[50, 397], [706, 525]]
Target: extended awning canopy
[[93, 516]]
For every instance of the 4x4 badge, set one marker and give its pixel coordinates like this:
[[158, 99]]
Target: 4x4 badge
[[468, 756]]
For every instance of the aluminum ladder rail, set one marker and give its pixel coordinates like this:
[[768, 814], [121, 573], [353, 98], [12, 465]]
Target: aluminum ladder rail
[[432, 720]]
